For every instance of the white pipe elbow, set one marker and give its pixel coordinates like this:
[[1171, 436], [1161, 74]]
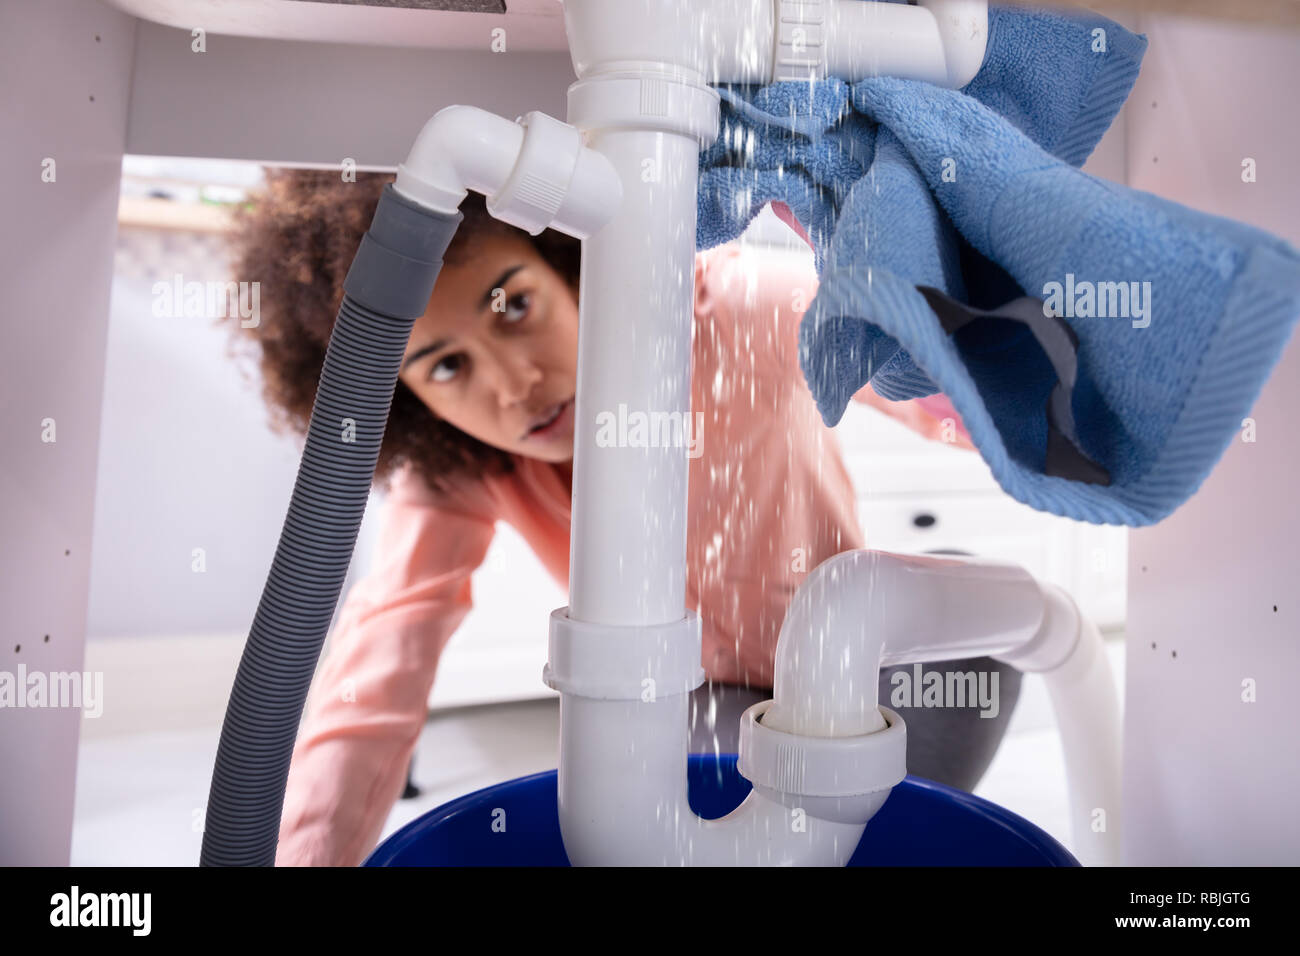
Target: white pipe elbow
[[822, 756], [828, 653], [1069, 653], [536, 172], [861, 609], [823, 742], [458, 149]]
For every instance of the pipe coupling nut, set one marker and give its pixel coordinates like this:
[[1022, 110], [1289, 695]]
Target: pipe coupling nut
[[622, 661], [844, 779], [531, 196]]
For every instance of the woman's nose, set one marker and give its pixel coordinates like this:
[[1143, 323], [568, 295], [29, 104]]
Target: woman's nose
[[516, 381]]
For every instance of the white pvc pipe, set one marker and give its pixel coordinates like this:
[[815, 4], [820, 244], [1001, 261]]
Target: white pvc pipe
[[642, 103], [622, 777], [536, 172], [622, 781], [860, 610], [1072, 660], [1088, 720], [627, 561], [883, 39], [705, 40], [761, 41], [939, 41], [963, 27], [458, 149], [622, 798]]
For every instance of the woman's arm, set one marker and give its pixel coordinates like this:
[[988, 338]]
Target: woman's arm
[[370, 698]]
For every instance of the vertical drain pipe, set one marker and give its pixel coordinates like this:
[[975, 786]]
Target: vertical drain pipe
[[625, 653]]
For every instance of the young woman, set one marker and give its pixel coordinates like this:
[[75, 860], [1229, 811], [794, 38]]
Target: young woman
[[481, 430]]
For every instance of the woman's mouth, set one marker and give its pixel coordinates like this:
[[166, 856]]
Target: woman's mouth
[[553, 422]]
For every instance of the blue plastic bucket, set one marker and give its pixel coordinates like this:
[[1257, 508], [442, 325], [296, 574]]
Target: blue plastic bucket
[[923, 823]]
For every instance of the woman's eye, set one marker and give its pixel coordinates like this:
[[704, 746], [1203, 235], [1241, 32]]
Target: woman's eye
[[523, 298], [444, 370]]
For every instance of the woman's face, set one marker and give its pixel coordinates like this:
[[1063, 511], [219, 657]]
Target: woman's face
[[496, 352]]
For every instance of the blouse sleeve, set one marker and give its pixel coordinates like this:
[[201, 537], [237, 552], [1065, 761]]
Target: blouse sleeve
[[369, 700]]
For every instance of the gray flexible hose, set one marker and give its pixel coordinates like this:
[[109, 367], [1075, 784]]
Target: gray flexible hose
[[386, 290]]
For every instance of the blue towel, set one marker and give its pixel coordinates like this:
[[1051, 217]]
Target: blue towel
[[911, 193]]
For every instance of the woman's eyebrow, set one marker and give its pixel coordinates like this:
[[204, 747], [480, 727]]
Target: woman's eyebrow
[[422, 352], [501, 281]]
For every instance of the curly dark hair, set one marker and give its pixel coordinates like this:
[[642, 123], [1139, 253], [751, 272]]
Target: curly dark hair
[[297, 237]]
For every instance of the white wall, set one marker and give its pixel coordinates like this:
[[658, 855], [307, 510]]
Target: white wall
[[1211, 779], [193, 486], [65, 73], [301, 103]]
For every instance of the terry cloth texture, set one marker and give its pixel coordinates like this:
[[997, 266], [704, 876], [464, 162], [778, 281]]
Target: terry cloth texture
[[1169, 320]]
